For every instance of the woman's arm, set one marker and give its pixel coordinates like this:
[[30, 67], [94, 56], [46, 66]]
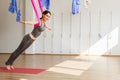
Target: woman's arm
[[49, 28], [28, 22]]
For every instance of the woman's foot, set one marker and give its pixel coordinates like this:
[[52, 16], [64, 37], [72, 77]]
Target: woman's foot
[[12, 67], [8, 67]]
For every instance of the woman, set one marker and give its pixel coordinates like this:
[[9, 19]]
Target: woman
[[29, 38]]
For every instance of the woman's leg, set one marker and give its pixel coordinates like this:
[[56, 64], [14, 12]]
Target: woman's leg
[[26, 42]]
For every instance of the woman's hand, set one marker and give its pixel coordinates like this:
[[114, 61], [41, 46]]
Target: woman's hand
[[49, 28], [23, 22]]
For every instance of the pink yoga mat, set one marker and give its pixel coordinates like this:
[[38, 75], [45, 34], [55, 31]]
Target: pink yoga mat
[[22, 70]]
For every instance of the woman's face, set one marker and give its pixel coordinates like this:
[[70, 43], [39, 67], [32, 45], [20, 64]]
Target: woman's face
[[46, 17]]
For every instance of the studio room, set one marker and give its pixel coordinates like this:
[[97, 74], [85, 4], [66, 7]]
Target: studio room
[[59, 40]]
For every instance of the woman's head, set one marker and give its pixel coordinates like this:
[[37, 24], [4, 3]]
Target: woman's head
[[46, 15]]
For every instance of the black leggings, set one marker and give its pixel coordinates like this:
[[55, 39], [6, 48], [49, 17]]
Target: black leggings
[[26, 42]]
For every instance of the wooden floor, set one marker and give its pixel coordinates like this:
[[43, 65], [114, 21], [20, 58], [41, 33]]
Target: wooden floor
[[65, 67]]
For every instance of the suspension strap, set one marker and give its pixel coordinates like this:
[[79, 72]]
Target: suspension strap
[[36, 12], [13, 8]]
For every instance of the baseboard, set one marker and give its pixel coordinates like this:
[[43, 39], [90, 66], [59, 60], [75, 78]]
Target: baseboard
[[50, 54]]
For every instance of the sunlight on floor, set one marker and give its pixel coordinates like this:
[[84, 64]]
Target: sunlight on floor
[[71, 67], [66, 71], [81, 65], [23, 79]]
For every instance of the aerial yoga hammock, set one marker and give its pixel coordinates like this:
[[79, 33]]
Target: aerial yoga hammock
[[13, 7], [36, 12]]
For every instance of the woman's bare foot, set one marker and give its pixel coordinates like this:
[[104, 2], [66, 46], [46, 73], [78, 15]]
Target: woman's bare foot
[[8, 67], [12, 67]]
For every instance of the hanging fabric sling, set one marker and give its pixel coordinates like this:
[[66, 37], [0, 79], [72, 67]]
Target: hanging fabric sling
[[13, 8], [36, 12]]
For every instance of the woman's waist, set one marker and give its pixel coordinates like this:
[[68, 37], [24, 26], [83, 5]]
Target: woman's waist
[[31, 36]]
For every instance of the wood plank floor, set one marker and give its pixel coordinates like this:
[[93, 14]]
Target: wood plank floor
[[65, 67]]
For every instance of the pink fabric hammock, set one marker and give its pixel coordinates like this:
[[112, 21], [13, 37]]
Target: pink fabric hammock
[[36, 12]]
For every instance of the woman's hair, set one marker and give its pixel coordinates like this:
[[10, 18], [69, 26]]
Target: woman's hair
[[46, 12]]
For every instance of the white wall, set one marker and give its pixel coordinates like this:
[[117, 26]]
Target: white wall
[[11, 32], [94, 31]]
